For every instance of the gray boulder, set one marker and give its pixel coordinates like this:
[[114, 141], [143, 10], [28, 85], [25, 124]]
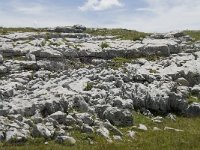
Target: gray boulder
[[17, 135], [102, 131], [193, 110], [59, 116], [41, 130], [118, 117], [79, 104], [196, 90]]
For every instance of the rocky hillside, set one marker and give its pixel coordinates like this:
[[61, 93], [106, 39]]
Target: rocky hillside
[[62, 79]]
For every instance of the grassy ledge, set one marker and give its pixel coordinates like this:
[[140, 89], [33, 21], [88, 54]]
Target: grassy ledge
[[123, 34]]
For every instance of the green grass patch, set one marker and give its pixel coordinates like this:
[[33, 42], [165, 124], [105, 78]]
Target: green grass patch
[[104, 45], [4, 30], [194, 34], [88, 87], [123, 34], [193, 99], [153, 71]]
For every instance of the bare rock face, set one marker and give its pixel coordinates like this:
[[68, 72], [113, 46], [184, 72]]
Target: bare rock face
[[54, 83]]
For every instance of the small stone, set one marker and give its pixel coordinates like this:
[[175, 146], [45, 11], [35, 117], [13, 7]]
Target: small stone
[[91, 142], [131, 134], [142, 127], [173, 129], [66, 139], [110, 141], [117, 138], [46, 143], [156, 129]]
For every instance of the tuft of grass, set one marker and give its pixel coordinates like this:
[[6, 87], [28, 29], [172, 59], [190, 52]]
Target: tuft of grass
[[47, 36], [195, 34], [153, 71], [19, 58], [88, 87], [104, 45], [118, 62], [152, 57], [77, 47], [123, 34], [192, 99]]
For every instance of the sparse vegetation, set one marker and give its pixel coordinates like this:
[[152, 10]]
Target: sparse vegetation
[[193, 98], [19, 58], [77, 47], [119, 61], [4, 30], [104, 45], [47, 36], [88, 87], [123, 34], [153, 71], [194, 34], [152, 57], [148, 140]]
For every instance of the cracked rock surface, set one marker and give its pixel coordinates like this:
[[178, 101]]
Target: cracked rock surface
[[51, 86]]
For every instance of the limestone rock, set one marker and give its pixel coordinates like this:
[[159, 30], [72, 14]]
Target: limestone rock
[[40, 130], [59, 116], [119, 117], [102, 131], [66, 139], [87, 129], [193, 110], [142, 127]]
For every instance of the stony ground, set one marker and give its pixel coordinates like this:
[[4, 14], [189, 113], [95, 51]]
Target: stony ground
[[53, 83]]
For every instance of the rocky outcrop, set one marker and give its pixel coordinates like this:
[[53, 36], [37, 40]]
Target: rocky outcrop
[[53, 83]]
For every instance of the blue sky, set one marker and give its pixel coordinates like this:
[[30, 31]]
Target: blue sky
[[143, 15]]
